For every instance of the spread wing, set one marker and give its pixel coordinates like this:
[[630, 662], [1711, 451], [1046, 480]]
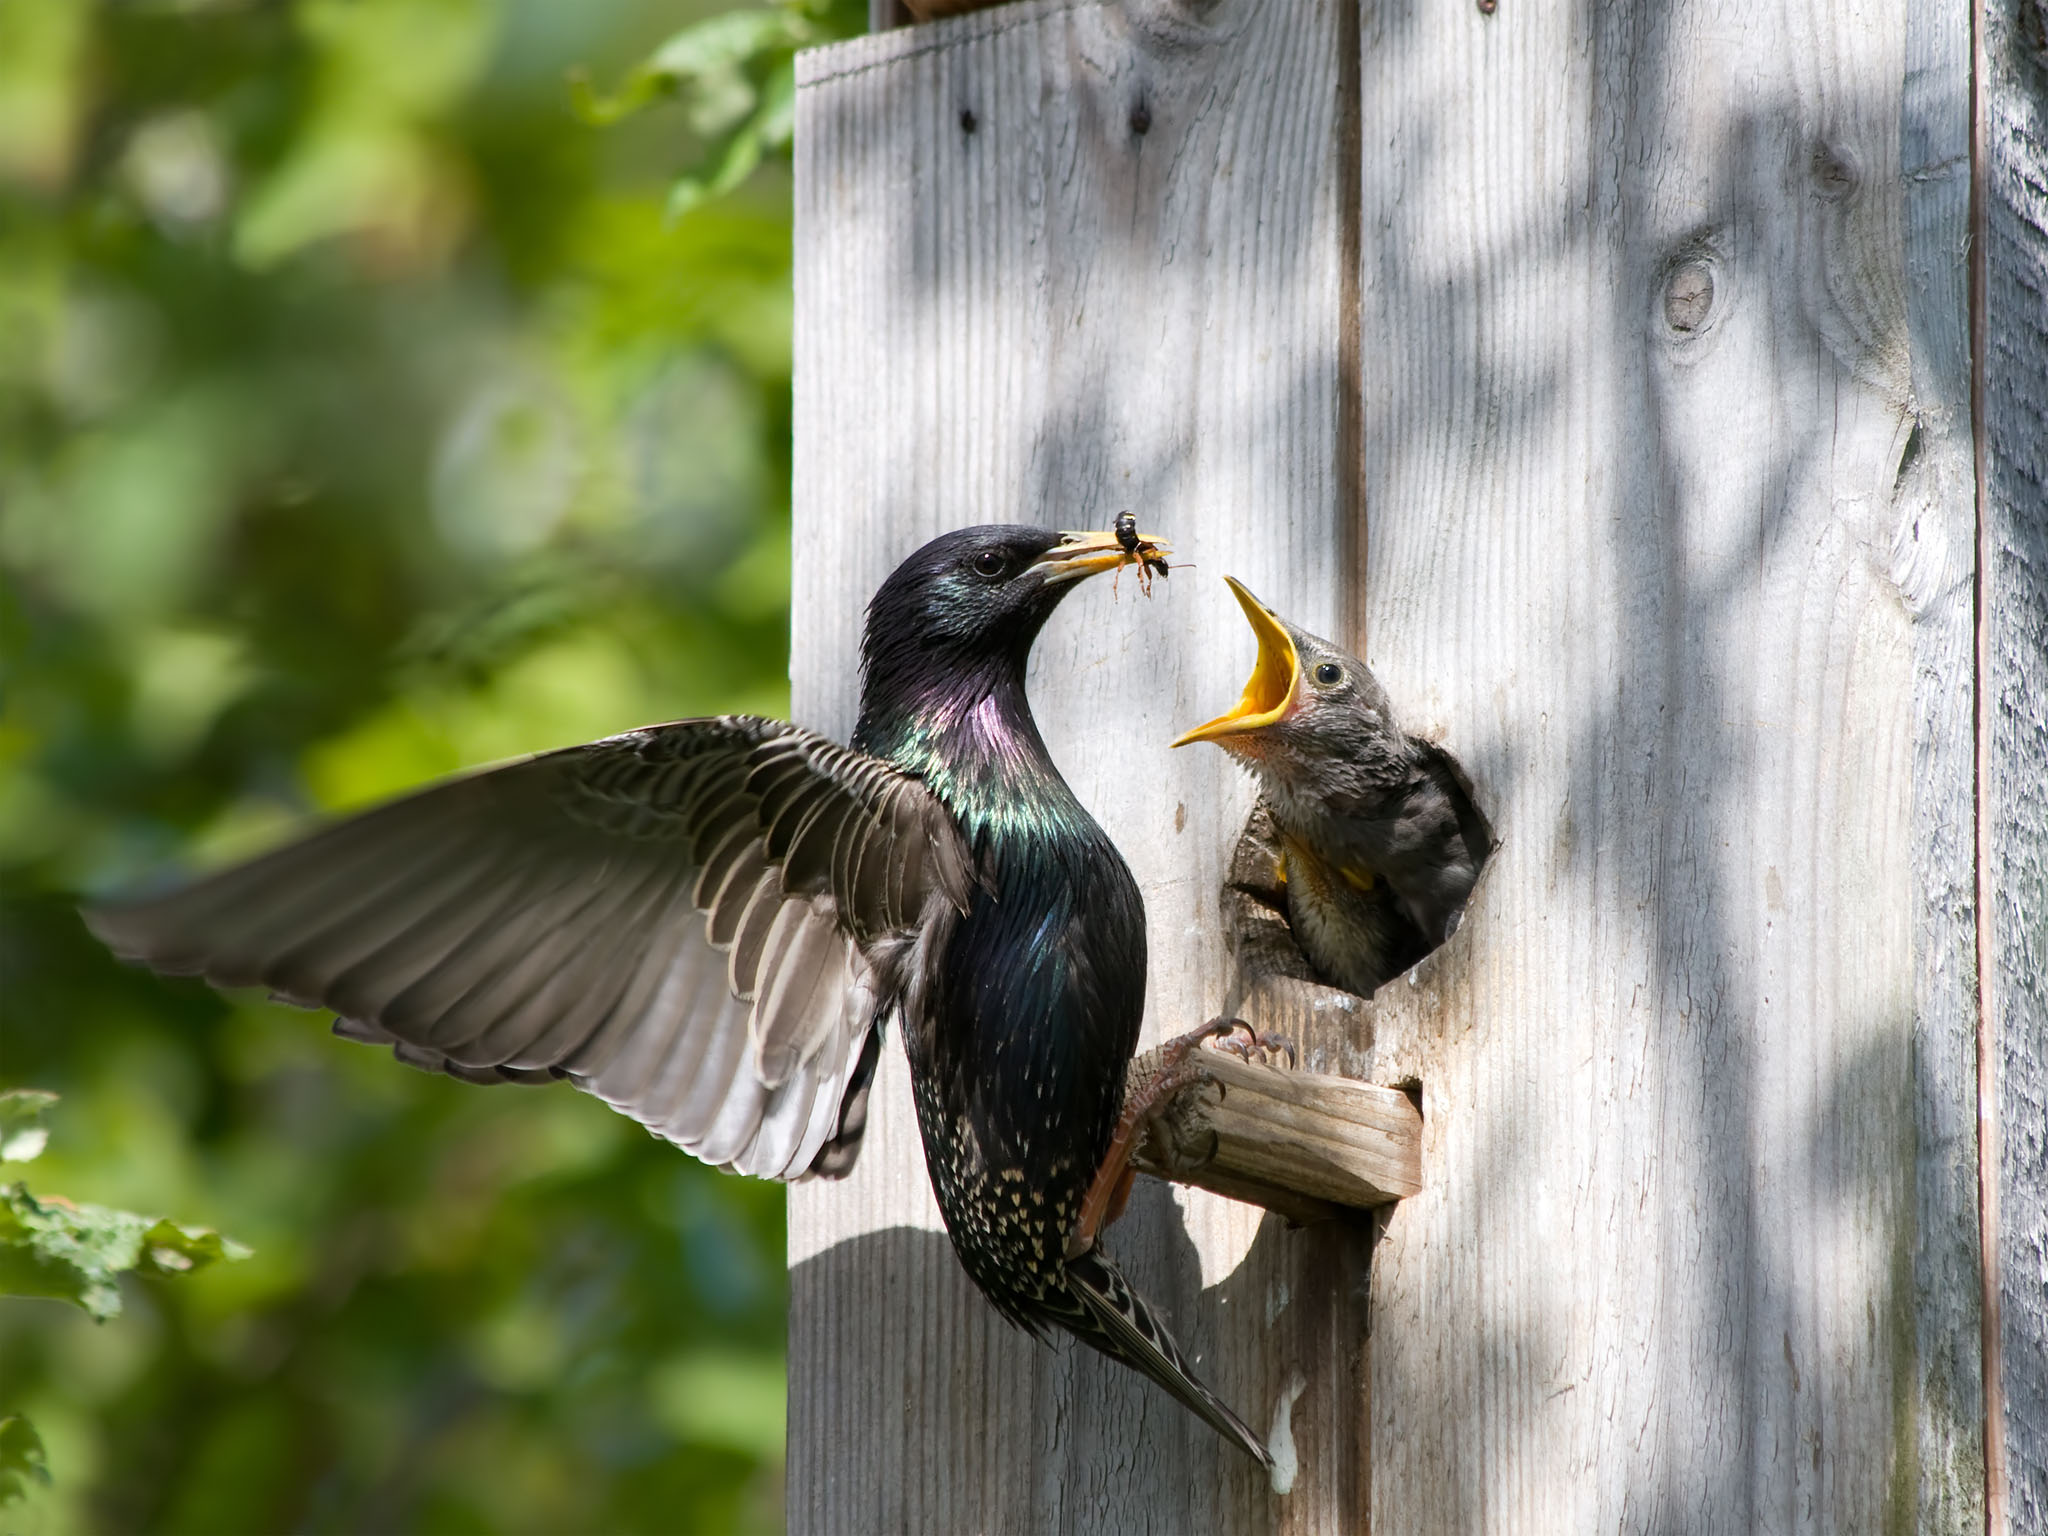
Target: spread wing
[[679, 920]]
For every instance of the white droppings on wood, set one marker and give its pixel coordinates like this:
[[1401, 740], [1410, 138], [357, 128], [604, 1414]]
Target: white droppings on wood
[[1280, 1443]]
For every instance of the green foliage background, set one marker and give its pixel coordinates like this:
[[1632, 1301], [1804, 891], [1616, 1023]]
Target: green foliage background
[[363, 415]]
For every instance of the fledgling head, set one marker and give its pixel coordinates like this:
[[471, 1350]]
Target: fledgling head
[[960, 614], [1312, 715]]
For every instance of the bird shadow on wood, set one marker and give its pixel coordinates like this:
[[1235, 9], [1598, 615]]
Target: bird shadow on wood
[[1118, 1455]]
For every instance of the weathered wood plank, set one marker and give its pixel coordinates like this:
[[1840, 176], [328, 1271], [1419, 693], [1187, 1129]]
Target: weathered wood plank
[[1055, 260], [2013, 549], [1933, 562], [1642, 361]]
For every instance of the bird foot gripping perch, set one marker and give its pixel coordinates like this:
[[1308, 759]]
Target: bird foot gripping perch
[[1248, 1044], [1178, 1068]]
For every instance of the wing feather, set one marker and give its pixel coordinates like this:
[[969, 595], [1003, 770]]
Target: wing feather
[[805, 943], [675, 920], [730, 852], [750, 937], [393, 935]]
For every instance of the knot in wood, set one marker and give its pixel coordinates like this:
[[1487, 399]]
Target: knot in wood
[[1141, 119], [1835, 174], [1688, 296]]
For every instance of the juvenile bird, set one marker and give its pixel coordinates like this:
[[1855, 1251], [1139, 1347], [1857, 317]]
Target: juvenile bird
[[1379, 843], [709, 923]]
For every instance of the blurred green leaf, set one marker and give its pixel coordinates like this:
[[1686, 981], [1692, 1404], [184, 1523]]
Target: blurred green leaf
[[735, 76], [23, 1466], [41, 43], [769, 128], [736, 162], [171, 1249], [704, 63], [22, 1134], [726, 1398], [65, 1252]]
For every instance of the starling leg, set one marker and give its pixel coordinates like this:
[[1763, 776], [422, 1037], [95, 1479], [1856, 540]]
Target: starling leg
[[1179, 1069]]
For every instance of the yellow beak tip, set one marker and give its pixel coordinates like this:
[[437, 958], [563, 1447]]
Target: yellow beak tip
[[1270, 689]]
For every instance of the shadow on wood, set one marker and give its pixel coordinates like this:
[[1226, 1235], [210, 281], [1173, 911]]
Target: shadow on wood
[[1100, 1448]]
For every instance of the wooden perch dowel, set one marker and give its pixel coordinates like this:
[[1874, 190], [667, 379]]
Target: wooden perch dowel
[[1304, 1144]]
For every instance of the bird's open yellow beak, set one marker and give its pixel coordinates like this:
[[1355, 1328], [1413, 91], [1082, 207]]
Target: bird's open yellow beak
[[1087, 554], [1274, 676]]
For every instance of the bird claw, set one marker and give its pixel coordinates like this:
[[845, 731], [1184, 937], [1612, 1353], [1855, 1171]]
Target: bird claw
[[1175, 1054], [1149, 1112], [1255, 1046]]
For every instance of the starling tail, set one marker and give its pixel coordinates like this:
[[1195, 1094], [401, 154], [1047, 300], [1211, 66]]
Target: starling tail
[[1115, 1320]]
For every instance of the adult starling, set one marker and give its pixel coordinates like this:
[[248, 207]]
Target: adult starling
[[708, 924], [1378, 840]]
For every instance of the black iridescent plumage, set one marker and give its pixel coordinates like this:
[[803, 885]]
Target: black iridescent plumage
[[1021, 1014], [709, 923]]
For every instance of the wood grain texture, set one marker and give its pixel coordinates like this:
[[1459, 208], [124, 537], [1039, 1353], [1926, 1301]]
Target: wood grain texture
[[1654, 301], [1056, 260], [2014, 596], [1933, 562]]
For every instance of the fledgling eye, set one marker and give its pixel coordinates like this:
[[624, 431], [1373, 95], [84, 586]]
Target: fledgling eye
[[1329, 672], [990, 564]]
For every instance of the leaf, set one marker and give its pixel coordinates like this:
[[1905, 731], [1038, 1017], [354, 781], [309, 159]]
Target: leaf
[[23, 1466], [737, 73], [76, 1253], [776, 121], [727, 41], [708, 60], [741, 155], [21, 1138], [169, 1248], [771, 127]]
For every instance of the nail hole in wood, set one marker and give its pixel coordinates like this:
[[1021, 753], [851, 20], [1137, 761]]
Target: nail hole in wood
[[968, 121]]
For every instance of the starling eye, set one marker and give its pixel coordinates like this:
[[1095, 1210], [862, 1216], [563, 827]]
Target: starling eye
[[990, 564], [1329, 672]]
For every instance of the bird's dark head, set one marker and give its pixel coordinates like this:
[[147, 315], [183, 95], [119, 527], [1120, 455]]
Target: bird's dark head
[[956, 620], [1310, 709]]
